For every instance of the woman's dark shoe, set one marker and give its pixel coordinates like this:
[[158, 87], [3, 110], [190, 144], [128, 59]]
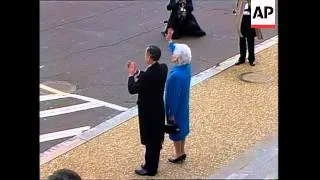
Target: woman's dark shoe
[[178, 159]]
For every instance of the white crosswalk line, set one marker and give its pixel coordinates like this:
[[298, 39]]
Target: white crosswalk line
[[69, 109], [106, 104], [84, 98], [47, 88], [62, 134], [52, 97]]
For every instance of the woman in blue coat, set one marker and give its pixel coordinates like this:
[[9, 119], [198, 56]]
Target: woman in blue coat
[[177, 95]]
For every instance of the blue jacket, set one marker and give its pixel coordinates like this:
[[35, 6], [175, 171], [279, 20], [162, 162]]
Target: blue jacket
[[177, 98]]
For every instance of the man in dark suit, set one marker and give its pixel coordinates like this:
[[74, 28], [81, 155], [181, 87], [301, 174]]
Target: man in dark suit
[[150, 88]]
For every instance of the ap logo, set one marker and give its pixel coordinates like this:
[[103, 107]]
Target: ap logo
[[263, 14]]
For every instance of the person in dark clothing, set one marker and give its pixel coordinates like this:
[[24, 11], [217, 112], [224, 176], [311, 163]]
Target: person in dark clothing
[[150, 89], [246, 33], [182, 20]]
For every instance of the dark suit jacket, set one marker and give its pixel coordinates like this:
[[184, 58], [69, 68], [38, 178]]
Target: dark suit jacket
[[150, 89]]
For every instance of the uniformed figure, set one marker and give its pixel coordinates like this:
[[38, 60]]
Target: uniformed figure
[[245, 32], [182, 20]]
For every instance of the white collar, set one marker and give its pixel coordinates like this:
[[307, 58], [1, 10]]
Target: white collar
[[151, 64]]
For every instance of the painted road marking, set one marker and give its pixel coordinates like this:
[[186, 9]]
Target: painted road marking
[[52, 97], [47, 88], [69, 109], [106, 104], [84, 98], [62, 134]]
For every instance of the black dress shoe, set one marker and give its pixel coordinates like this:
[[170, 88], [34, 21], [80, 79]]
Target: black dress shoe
[[252, 63], [239, 62], [143, 172], [178, 159]]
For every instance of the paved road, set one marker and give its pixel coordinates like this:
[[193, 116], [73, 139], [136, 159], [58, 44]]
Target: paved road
[[87, 43]]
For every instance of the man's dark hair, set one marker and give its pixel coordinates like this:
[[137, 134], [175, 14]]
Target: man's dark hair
[[64, 174], [154, 52]]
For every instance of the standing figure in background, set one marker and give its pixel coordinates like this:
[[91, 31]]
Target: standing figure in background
[[245, 32], [182, 20]]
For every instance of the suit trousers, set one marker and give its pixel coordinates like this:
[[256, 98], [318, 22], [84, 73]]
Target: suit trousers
[[152, 156], [243, 48], [247, 39]]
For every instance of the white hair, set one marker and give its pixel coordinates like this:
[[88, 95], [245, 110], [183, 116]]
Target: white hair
[[183, 52]]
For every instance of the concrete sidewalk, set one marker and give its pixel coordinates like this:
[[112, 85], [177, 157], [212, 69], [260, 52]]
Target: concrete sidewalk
[[227, 117], [259, 162]]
